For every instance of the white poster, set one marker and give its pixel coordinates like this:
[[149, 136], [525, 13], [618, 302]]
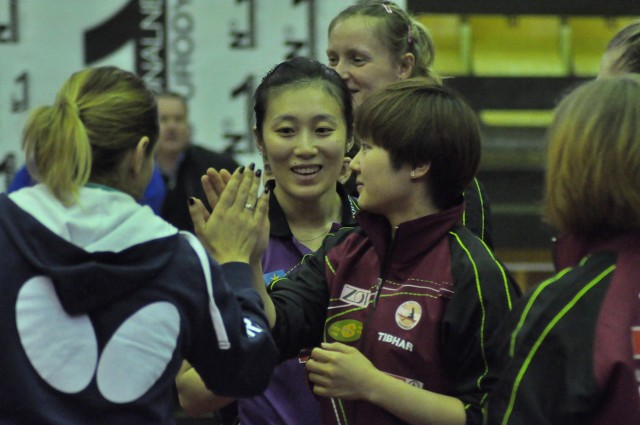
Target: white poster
[[212, 51]]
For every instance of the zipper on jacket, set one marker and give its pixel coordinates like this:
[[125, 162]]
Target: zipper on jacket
[[383, 271], [376, 293]]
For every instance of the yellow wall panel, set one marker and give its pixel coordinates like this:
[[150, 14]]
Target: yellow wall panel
[[589, 39], [517, 46], [452, 39]]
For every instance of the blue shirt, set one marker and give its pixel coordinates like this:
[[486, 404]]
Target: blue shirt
[[153, 195]]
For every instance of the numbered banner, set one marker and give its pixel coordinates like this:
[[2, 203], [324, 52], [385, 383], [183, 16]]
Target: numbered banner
[[213, 52]]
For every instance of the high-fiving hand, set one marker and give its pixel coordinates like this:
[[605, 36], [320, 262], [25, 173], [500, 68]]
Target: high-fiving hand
[[237, 229]]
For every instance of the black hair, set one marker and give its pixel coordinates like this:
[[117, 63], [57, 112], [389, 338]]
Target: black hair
[[297, 71]]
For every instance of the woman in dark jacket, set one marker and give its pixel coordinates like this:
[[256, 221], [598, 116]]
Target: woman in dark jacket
[[102, 299], [571, 349]]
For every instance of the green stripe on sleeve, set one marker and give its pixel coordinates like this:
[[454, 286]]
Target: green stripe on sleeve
[[543, 335]]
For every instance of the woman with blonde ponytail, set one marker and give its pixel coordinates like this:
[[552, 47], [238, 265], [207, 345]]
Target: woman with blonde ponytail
[[60, 140], [85, 134], [101, 299]]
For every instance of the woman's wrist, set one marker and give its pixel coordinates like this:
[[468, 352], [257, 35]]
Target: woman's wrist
[[373, 392]]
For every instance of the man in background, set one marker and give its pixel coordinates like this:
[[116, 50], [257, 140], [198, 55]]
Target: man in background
[[181, 162]]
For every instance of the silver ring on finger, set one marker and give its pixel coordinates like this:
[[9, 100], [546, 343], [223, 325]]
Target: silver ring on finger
[[250, 206]]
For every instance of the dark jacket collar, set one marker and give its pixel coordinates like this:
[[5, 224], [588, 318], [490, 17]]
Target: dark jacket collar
[[278, 221], [413, 239], [569, 249]]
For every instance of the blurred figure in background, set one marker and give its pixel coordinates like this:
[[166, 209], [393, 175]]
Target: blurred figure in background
[[623, 52], [593, 152], [153, 195], [181, 162], [570, 350]]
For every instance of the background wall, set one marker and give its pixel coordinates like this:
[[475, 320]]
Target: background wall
[[212, 51]]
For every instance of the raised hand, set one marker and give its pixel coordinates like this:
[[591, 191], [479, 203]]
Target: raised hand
[[214, 183], [238, 227]]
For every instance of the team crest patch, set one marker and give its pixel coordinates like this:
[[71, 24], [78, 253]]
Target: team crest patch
[[408, 315], [345, 330]]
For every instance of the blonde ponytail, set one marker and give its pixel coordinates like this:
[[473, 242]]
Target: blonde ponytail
[[98, 115], [59, 149]]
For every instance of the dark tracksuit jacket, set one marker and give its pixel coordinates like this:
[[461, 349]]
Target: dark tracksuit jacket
[[570, 349], [102, 301], [186, 183], [421, 306], [477, 212]]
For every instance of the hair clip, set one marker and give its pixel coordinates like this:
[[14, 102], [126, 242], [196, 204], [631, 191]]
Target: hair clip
[[387, 8]]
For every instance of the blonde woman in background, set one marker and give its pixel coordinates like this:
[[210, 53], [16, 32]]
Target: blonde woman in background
[[374, 43]]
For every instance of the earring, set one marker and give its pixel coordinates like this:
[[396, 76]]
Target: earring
[[413, 174]]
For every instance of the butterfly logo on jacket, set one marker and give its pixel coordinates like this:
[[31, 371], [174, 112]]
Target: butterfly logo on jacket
[[63, 349]]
